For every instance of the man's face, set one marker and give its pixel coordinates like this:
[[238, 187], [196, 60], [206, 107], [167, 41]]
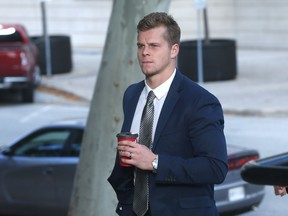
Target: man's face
[[155, 56]]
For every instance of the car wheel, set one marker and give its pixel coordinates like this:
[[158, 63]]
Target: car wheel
[[28, 94]]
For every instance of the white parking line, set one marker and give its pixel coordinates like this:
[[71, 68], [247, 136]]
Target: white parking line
[[35, 114]]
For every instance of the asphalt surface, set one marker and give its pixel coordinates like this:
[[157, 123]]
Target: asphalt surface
[[260, 88]]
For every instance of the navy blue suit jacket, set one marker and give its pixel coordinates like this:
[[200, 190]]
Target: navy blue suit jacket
[[190, 142]]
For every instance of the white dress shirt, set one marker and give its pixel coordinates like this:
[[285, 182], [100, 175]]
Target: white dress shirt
[[160, 93]]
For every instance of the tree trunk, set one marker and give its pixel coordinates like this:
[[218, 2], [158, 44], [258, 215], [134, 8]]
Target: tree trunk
[[92, 195]]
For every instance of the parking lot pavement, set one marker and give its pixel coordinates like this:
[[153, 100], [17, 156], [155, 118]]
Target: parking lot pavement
[[261, 86]]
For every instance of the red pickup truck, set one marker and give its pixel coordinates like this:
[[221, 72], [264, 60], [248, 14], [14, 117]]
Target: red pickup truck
[[19, 70]]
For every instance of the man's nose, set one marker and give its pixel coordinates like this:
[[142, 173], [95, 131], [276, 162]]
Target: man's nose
[[145, 50]]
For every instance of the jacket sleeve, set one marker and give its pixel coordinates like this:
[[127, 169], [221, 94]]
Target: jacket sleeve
[[122, 178]]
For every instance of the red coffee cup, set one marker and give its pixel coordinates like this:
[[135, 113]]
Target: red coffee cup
[[126, 136]]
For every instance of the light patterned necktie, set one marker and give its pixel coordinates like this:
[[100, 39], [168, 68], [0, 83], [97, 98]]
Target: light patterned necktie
[[141, 192]]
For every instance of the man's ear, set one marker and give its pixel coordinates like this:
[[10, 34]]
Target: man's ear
[[174, 50]]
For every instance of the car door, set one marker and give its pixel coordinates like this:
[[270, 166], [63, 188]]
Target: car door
[[29, 176], [65, 171]]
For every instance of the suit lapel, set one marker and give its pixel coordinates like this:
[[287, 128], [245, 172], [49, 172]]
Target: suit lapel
[[169, 104]]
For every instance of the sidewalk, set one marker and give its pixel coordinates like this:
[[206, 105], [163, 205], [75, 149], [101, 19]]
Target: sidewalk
[[261, 86], [78, 85]]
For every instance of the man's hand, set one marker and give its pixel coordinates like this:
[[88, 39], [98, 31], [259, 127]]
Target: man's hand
[[280, 190], [139, 155]]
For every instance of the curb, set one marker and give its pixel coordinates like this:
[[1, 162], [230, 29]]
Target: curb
[[246, 112], [256, 113], [61, 93]]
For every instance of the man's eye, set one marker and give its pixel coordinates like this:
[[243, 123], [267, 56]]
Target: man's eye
[[140, 45], [154, 45]]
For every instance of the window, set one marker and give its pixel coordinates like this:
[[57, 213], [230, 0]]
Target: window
[[14, 36], [45, 143], [75, 144]]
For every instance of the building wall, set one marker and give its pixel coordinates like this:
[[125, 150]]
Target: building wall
[[262, 23], [86, 21], [253, 23]]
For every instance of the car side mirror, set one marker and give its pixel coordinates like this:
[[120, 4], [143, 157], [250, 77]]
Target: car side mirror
[[272, 170]]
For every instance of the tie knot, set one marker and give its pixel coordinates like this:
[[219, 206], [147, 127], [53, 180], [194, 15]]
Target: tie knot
[[151, 96]]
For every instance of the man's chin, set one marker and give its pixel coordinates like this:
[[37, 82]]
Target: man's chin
[[149, 74]]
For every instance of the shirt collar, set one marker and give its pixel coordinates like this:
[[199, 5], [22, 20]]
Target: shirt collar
[[161, 90]]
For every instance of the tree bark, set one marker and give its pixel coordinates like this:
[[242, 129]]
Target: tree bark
[[92, 195]]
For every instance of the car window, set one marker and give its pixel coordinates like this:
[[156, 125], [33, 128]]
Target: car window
[[73, 145], [10, 35], [47, 143]]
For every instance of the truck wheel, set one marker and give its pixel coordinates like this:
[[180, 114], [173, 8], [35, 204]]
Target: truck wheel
[[28, 94]]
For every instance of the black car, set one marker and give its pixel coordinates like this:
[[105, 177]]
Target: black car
[[271, 170]]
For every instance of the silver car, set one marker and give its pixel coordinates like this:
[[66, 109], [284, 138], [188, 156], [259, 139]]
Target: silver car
[[235, 195], [37, 172]]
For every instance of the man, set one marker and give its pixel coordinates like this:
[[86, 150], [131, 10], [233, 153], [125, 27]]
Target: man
[[187, 154]]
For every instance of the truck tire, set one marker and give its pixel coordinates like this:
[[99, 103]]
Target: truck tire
[[28, 94]]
